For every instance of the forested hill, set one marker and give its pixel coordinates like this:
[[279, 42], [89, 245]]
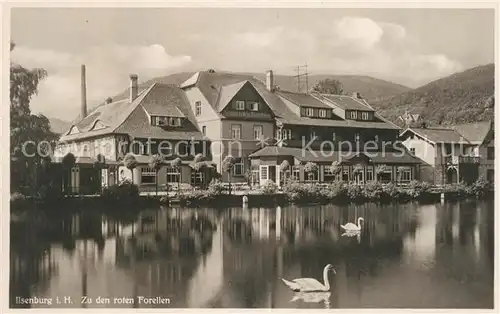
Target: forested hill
[[463, 97]]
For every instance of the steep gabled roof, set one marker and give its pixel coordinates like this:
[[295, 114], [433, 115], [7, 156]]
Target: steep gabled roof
[[475, 132], [228, 92], [125, 117]]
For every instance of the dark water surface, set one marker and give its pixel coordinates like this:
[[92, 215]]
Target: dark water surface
[[410, 255]]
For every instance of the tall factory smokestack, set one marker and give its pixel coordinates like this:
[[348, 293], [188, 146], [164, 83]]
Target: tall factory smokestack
[[83, 108]]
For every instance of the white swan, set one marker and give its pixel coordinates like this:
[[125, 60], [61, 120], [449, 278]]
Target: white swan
[[352, 227], [310, 284]]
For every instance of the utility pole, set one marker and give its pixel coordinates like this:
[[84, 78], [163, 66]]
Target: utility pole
[[300, 75]]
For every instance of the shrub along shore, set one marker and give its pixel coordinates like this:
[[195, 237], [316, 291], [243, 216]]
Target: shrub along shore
[[217, 195]]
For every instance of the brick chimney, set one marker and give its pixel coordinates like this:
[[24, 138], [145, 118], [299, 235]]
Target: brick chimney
[[83, 105], [270, 80], [134, 88]]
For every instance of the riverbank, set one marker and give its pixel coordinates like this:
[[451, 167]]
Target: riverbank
[[128, 198]]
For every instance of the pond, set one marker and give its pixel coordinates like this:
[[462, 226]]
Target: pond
[[409, 255]]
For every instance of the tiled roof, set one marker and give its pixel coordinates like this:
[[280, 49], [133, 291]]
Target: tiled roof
[[211, 83], [346, 102], [124, 117], [440, 135], [305, 155], [302, 99], [474, 132], [227, 93]]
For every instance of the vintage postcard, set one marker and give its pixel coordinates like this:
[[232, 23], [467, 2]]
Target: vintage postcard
[[322, 157]]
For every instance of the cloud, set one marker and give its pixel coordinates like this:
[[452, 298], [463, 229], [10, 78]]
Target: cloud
[[108, 68], [349, 45], [357, 31]]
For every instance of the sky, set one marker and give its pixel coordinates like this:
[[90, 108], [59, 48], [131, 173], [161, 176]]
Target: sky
[[406, 46]]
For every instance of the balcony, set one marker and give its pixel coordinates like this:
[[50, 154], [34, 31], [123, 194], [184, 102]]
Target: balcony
[[455, 160]]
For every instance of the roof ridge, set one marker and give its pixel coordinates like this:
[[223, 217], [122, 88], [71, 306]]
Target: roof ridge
[[139, 99]]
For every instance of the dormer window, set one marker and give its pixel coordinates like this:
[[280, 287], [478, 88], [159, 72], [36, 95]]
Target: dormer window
[[322, 113], [354, 115], [254, 106], [240, 105], [166, 121], [309, 112], [365, 116]]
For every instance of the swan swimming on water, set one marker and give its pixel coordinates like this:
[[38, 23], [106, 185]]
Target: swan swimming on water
[[352, 227], [310, 284]]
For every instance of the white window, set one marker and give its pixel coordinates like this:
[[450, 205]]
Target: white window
[[333, 137], [369, 174], [309, 112], [296, 173], [148, 176], [286, 134], [236, 131], [174, 121], [322, 113], [239, 167], [312, 135], [406, 175], [240, 105], [364, 115], [258, 132], [354, 114], [196, 177], [198, 108], [412, 150], [172, 175], [254, 106], [263, 173], [376, 138], [356, 137]]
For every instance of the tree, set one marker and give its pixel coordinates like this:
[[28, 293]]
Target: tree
[[310, 167], [130, 162], [284, 166], [336, 168], [30, 137], [379, 169], [156, 162], [329, 86], [177, 165], [227, 166], [68, 162], [199, 165]]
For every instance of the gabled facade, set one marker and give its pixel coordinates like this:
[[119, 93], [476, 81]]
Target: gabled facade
[[157, 119], [233, 112], [454, 153]]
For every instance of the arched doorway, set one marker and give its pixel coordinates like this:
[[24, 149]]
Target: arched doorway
[[452, 175]]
